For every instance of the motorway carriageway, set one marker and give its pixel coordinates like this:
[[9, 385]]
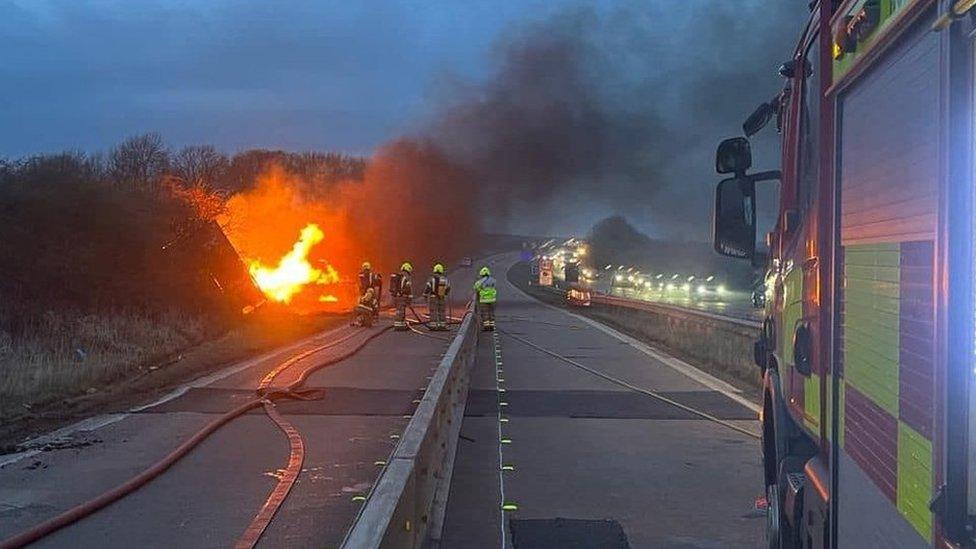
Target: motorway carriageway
[[549, 452], [551, 455], [208, 498]]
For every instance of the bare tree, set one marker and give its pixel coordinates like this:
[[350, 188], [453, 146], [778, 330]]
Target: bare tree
[[246, 166], [98, 168], [325, 168], [139, 161], [200, 165]]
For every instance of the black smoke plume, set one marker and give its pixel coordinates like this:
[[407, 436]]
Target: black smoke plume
[[607, 111]]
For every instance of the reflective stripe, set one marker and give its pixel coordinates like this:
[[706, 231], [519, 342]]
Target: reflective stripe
[[487, 293]]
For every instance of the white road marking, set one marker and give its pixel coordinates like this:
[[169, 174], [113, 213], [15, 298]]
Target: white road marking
[[496, 346], [674, 363]]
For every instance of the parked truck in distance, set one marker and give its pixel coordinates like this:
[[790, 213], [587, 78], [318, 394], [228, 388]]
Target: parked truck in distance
[[867, 347]]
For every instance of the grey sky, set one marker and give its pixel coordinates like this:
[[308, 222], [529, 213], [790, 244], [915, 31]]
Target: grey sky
[[236, 73], [665, 80]]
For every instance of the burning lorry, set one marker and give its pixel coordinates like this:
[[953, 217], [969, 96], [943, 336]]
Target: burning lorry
[[225, 270]]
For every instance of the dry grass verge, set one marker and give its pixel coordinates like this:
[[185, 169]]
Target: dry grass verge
[[63, 353], [126, 358]]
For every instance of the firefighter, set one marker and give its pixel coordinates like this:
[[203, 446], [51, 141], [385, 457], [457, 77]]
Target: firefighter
[[371, 280], [366, 308], [436, 292], [402, 290], [485, 297]]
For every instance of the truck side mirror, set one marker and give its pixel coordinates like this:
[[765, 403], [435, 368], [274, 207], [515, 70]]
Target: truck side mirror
[[734, 155], [735, 218]]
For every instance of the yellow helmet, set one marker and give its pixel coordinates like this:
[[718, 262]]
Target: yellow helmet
[[406, 267], [485, 271], [367, 266], [438, 269]]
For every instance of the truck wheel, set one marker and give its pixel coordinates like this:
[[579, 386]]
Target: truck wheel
[[774, 517], [779, 534]]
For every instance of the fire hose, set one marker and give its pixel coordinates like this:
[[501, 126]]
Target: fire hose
[[266, 397], [450, 320]]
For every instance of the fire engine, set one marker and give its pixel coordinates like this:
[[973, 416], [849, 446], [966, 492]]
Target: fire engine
[[867, 348]]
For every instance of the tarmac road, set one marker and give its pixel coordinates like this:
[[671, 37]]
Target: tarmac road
[[208, 498], [586, 462], [609, 463]]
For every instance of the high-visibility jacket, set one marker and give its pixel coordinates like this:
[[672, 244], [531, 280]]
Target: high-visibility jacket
[[437, 285], [485, 287]]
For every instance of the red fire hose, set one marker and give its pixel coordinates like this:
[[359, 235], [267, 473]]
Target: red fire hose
[[268, 510]]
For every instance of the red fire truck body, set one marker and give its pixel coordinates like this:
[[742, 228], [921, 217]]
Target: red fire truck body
[[867, 347]]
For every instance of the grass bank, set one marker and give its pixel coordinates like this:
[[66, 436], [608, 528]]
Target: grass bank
[[62, 366]]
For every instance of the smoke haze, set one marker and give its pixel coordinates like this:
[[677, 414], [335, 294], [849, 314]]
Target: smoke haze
[[597, 112], [586, 114]]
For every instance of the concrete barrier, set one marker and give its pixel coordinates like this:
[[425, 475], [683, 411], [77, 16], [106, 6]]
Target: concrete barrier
[[715, 343], [405, 508]]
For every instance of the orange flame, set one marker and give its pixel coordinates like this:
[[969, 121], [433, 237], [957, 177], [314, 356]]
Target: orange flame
[[294, 272]]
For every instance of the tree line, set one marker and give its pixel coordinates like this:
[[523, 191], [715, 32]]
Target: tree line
[[85, 231], [144, 161]]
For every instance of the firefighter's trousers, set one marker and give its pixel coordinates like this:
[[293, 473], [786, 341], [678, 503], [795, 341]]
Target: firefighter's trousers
[[400, 317], [365, 315], [437, 307], [487, 313]]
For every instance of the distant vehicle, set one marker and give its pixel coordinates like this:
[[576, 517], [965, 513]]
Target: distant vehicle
[[545, 272], [710, 288], [466, 262], [571, 273], [578, 297], [867, 349]]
